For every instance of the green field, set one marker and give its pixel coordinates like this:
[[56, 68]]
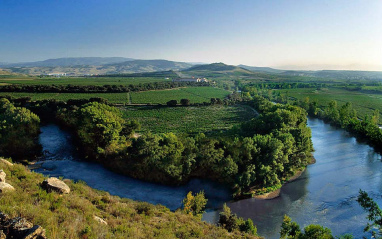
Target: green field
[[206, 119], [362, 102], [81, 80], [194, 94], [111, 97]]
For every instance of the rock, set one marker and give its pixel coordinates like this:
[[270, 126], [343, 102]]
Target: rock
[[55, 184], [100, 220], [19, 227], [6, 162], [3, 218], [2, 176], [5, 187], [35, 232]]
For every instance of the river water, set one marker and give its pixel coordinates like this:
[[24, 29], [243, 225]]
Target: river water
[[325, 193]]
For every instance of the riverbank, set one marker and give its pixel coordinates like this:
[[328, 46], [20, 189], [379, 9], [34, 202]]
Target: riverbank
[[276, 193], [78, 214]]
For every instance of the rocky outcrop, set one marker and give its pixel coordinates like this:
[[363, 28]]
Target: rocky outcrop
[[6, 187], [55, 184], [6, 162], [19, 227], [100, 220], [2, 176], [3, 185]]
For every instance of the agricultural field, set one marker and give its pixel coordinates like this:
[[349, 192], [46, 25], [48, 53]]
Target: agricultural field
[[111, 97], [81, 80], [363, 103], [194, 94], [190, 120]]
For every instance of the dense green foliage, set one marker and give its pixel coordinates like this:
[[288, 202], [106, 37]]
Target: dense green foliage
[[346, 117], [100, 129], [265, 157], [72, 215], [19, 129]]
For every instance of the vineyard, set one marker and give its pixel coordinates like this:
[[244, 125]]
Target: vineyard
[[194, 94], [362, 103], [206, 119]]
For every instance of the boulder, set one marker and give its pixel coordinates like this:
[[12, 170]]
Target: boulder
[[2, 176], [6, 162], [36, 232], [5, 187], [55, 184], [19, 227], [100, 220]]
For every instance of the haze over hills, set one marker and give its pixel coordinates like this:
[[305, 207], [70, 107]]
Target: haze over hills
[[261, 69], [78, 66], [69, 61]]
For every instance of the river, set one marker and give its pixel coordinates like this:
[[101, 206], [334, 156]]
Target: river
[[324, 194]]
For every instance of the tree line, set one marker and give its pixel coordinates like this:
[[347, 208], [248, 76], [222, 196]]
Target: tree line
[[98, 89], [346, 117]]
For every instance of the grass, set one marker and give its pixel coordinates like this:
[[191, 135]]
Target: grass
[[363, 103], [194, 94], [203, 119], [71, 215], [81, 80]]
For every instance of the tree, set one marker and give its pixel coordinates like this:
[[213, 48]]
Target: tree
[[185, 102], [19, 130], [172, 103], [194, 205], [228, 220], [374, 214], [100, 128], [291, 230]]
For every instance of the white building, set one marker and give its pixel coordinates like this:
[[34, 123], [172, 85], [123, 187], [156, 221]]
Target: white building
[[193, 79]]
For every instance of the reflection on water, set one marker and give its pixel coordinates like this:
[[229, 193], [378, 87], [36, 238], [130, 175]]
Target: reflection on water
[[325, 193]]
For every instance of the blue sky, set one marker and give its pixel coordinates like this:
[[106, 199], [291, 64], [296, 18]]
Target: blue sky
[[289, 34]]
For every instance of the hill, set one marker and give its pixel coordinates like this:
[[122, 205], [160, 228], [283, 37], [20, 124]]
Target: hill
[[261, 69], [217, 69], [70, 61], [138, 66], [95, 66]]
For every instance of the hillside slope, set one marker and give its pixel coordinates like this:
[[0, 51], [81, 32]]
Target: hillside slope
[[72, 215]]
